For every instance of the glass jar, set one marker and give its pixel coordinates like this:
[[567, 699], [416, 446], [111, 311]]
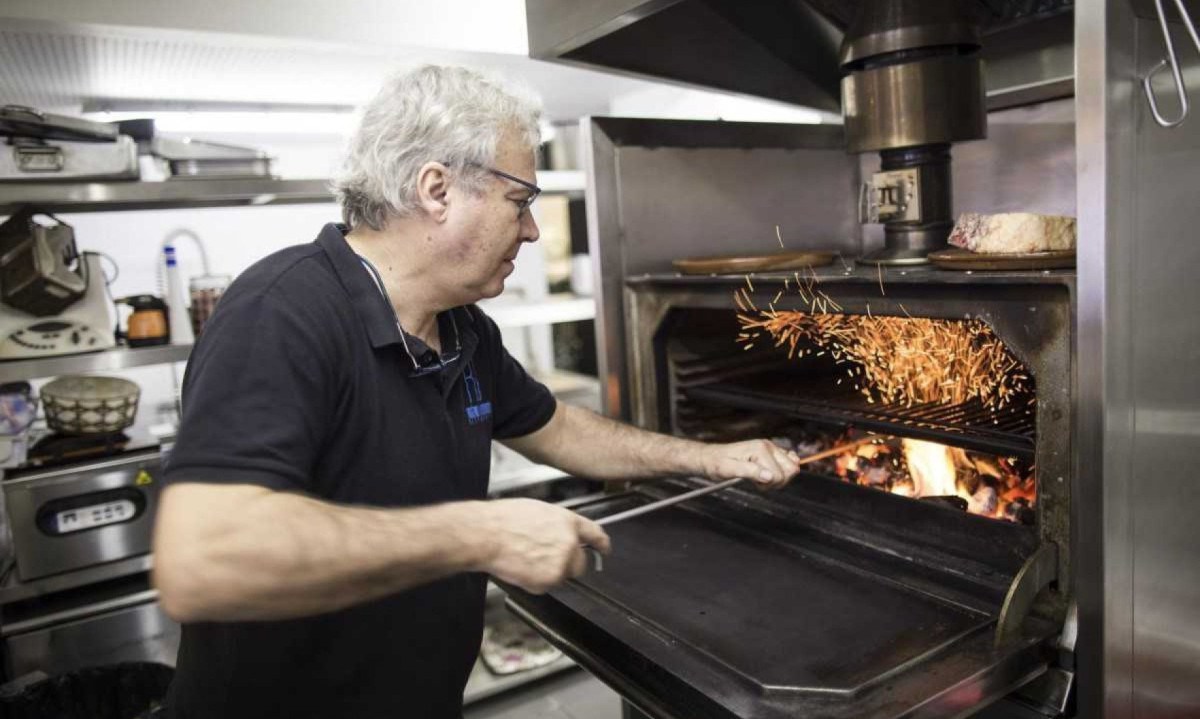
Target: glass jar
[[205, 291]]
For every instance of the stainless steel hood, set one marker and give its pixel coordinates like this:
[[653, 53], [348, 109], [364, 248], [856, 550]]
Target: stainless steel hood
[[781, 49]]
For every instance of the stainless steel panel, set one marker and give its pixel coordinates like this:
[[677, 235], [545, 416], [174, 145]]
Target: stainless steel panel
[[559, 26], [1021, 167], [737, 46], [660, 190], [41, 554], [1030, 55], [135, 634], [1139, 647], [1165, 353], [783, 49], [1104, 111]]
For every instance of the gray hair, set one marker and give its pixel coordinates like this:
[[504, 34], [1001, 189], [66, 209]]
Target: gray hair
[[431, 114]]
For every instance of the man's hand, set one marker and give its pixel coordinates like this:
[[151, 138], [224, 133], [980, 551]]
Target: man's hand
[[537, 545], [757, 460]]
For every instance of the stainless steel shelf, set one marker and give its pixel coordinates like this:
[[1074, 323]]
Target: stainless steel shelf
[[168, 194], [185, 193], [114, 359], [14, 590]]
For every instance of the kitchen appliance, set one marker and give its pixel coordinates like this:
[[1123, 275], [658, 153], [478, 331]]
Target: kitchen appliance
[[834, 598], [80, 594], [70, 518], [90, 404], [147, 324], [83, 326], [39, 265]]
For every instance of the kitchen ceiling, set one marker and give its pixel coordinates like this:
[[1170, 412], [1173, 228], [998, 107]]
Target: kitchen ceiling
[[59, 67]]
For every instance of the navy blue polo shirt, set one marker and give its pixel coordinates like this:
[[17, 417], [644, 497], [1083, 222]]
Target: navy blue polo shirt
[[300, 383]]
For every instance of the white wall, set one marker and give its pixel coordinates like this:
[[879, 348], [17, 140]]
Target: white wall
[[675, 102]]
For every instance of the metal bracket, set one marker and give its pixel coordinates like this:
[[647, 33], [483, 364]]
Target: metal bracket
[[1173, 60], [892, 196], [1035, 575]]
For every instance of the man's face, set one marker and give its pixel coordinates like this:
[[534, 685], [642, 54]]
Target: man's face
[[487, 230]]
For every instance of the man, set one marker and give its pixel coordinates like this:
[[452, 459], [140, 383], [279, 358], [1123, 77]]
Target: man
[[324, 537]]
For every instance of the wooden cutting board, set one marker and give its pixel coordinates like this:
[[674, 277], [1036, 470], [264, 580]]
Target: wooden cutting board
[[735, 265], [956, 258]]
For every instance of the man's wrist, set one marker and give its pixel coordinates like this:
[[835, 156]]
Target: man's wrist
[[687, 457], [470, 525]]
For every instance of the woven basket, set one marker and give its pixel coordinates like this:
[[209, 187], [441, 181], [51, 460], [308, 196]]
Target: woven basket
[[89, 404]]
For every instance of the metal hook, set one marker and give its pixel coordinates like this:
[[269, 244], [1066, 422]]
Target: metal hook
[[1173, 60]]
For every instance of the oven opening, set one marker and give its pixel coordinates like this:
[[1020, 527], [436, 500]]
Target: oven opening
[[967, 480], [951, 407]]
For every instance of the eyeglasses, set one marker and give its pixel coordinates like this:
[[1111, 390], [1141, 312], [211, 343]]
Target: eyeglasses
[[442, 362], [419, 369], [522, 204]]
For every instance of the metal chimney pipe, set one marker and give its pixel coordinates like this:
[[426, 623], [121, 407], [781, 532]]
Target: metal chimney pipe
[[913, 85]]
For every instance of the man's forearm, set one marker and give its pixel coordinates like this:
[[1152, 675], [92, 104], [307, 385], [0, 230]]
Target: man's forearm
[[277, 555], [587, 444]]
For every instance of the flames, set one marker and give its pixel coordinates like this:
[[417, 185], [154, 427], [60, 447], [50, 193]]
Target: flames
[[996, 487]]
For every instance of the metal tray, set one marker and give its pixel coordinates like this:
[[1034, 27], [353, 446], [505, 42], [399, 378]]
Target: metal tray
[[956, 258], [722, 608], [22, 121], [777, 262]]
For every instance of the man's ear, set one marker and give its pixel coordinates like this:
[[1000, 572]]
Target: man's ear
[[433, 190]]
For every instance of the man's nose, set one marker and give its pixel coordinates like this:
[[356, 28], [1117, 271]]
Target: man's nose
[[529, 227]]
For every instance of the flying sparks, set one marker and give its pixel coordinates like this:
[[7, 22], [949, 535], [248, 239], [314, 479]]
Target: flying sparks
[[902, 360]]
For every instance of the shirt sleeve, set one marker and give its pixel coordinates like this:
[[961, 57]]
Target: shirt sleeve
[[522, 404], [258, 397]]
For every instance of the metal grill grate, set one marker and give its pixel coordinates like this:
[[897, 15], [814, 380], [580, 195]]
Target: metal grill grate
[[1008, 431]]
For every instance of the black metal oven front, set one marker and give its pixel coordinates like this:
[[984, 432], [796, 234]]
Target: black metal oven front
[[829, 598]]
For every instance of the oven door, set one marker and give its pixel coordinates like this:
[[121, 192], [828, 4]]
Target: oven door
[[821, 600]]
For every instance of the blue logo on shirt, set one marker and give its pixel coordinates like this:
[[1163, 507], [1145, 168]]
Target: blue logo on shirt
[[478, 410]]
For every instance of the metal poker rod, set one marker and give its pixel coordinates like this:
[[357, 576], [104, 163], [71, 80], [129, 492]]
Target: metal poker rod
[[670, 501]]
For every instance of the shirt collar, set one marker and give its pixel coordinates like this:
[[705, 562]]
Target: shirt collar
[[373, 309]]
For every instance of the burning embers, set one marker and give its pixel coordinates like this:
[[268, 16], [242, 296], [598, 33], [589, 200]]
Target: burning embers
[[1001, 488]]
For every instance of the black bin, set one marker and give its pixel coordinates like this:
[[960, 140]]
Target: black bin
[[116, 691]]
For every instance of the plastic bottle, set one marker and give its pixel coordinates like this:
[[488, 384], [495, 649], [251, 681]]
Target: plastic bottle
[[177, 312]]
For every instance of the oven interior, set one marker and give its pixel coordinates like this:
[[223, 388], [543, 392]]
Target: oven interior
[[810, 396]]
